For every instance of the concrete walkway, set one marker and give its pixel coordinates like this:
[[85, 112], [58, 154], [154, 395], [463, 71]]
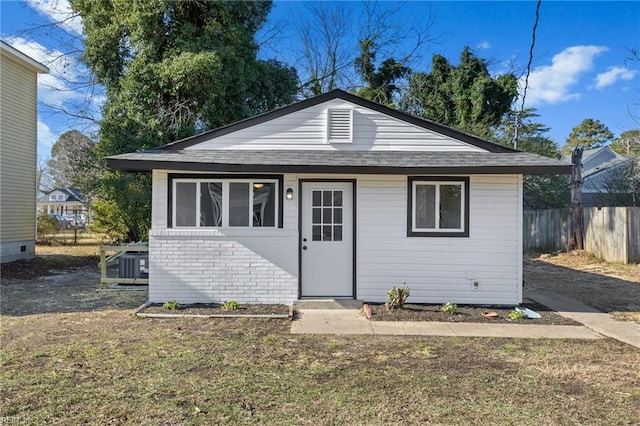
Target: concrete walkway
[[596, 323], [351, 321], [624, 331]]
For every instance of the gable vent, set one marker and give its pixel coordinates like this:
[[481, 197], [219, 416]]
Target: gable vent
[[340, 125]]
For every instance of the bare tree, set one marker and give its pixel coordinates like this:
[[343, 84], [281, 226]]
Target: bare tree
[[619, 187], [330, 47], [325, 53], [44, 182]]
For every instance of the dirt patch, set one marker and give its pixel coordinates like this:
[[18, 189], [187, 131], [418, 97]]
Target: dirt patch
[[607, 287], [74, 289], [217, 309], [467, 313]]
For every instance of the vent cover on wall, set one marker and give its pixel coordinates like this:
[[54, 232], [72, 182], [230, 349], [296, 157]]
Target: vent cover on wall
[[340, 125]]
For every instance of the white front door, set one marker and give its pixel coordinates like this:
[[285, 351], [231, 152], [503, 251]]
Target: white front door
[[326, 239]]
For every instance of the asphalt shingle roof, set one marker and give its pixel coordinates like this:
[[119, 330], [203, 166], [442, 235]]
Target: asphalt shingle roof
[[334, 161]]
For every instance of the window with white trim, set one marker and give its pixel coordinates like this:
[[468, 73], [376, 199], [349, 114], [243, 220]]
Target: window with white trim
[[211, 202], [438, 206]]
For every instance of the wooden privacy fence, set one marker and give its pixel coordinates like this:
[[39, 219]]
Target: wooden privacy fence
[[611, 233]]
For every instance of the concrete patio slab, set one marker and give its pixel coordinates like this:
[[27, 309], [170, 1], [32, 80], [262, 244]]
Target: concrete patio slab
[[330, 321]]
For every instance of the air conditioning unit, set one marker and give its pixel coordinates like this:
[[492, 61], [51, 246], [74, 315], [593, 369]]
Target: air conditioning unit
[[134, 265]]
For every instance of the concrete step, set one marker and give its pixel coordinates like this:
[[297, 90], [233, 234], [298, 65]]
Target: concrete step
[[327, 304]]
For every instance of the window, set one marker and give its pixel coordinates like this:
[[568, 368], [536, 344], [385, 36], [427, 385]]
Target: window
[[326, 216], [215, 202], [438, 207]]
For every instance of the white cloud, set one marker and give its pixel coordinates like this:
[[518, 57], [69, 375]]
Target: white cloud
[[614, 74], [59, 11], [54, 89], [554, 83], [46, 139], [484, 45]]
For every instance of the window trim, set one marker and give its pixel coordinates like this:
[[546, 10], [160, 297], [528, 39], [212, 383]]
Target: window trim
[[224, 178], [412, 181]]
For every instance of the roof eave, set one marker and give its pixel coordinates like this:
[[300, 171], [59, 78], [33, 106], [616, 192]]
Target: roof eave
[[149, 165]]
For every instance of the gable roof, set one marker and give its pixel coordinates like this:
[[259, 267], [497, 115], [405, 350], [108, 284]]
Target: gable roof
[[345, 96], [74, 195], [494, 158]]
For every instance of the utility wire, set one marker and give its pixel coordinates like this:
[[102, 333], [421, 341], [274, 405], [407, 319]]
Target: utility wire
[[526, 78]]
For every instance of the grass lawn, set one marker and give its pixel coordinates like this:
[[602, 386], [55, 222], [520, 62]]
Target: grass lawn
[[111, 368]]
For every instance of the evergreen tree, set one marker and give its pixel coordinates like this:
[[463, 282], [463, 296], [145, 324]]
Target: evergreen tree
[[465, 96], [588, 134], [628, 143], [172, 69]]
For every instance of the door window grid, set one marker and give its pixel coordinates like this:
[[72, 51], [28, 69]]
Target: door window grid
[[326, 215]]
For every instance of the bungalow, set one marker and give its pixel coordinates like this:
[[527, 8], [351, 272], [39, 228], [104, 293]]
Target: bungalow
[[336, 197]]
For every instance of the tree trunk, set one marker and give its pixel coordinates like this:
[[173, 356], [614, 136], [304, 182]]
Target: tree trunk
[[576, 241]]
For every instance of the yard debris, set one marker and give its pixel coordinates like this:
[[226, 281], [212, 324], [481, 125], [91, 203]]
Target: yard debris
[[366, 309], [528, 313], [489, 314]]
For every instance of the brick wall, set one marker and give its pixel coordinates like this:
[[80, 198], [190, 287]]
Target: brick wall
[[198, 267]]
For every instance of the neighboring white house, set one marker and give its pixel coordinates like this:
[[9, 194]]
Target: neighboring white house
[[336, 197], [65, 201], [18, 141]]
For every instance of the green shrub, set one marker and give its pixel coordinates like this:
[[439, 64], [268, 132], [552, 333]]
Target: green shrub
[[450, 308], [514, 315], [231, 305], [396, 297], [171, 305], [46, 228]]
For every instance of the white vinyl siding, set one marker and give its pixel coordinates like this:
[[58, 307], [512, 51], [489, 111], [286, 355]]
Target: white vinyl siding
[[439, 270], [197, 265], [307, 129]]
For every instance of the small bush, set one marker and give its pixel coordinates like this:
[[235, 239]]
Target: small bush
[[46, 228], [514, 315], [450, 308], [396, 297], [231, 305], [171, 305]]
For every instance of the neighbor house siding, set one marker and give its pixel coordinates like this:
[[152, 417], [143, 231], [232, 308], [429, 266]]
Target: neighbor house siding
[[306, 129], [18, 102], [261, 266]]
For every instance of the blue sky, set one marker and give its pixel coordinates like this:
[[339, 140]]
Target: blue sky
[[581, 67]]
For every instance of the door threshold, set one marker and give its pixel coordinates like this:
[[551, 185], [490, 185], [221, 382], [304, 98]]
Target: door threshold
[[328, 303]]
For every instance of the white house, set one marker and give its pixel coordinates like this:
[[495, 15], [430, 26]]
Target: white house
[[18, 138], [336, 197], [63, 201]]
